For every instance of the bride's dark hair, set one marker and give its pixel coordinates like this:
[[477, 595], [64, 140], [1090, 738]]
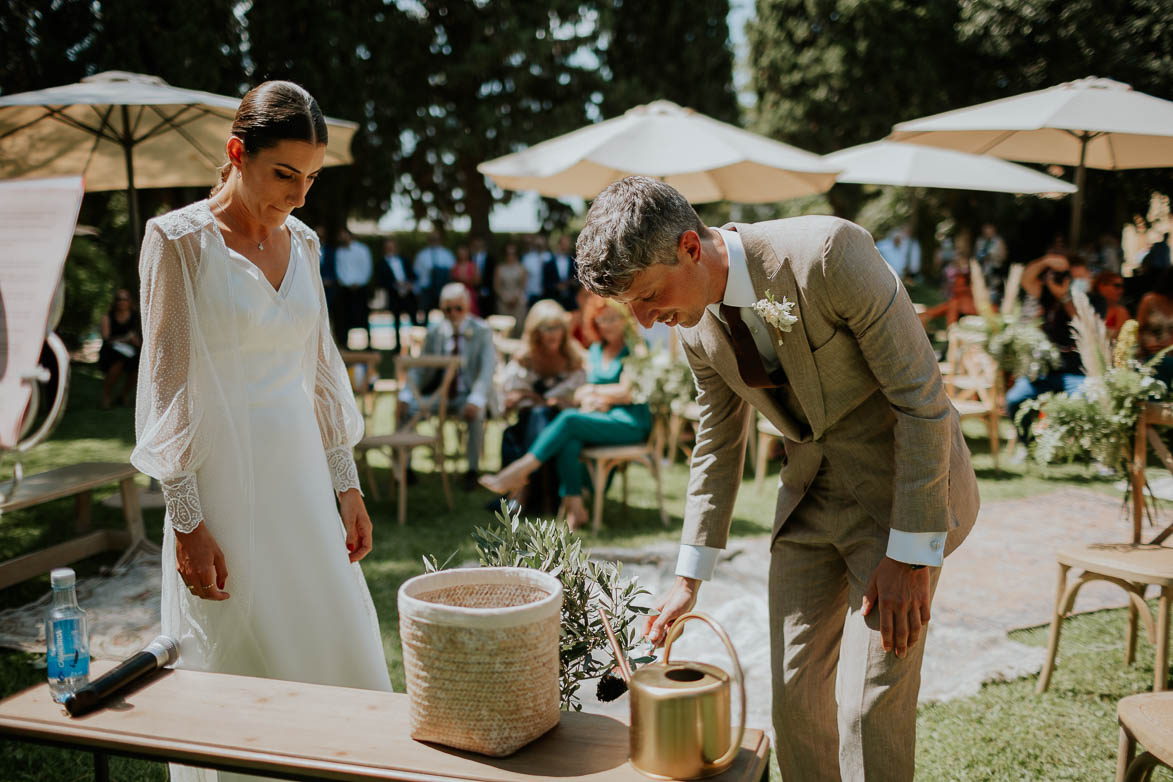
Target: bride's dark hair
[[272, 112]]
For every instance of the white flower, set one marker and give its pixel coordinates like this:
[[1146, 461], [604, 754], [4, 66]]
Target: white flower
[[776, 313]]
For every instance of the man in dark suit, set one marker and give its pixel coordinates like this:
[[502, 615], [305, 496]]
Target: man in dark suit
[[402, 298], [486, 268], [559, 279]]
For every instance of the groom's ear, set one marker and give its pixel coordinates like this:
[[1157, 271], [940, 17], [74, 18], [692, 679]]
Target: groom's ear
[[689, 246]]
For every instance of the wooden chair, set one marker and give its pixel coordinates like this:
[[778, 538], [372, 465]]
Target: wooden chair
[[681, 414], [363, 368], [1146, 718], [972, 382], [1132, 566], [399, 444], [602, 459]]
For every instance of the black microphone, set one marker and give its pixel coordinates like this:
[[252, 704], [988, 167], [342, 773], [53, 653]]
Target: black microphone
[[161, 652]]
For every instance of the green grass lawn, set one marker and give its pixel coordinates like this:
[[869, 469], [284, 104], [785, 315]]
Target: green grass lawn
[[1004, 732]]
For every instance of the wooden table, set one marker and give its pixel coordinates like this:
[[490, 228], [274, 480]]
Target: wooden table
[[78, 481], [305, 731]]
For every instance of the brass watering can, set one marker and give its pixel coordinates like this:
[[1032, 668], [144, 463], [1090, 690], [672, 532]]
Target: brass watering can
[[680, 713]]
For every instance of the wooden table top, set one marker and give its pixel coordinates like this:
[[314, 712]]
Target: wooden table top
[[335, 733]]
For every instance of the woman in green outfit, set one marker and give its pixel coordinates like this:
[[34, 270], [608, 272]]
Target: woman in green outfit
[[604, 416]]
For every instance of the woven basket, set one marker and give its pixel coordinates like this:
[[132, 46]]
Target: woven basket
[[480, 653]]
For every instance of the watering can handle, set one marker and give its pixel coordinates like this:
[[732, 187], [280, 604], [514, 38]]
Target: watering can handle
[[673, 633]]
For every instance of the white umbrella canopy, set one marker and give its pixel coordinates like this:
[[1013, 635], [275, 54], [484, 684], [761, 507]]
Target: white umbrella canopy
[[704, 159], [1092, 122], [125, 131], [913, 165]]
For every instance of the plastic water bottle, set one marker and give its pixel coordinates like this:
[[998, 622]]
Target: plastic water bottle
[[67, 637]]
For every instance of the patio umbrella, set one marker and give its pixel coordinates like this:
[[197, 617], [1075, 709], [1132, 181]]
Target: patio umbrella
[[126, 130], [1097, 123], [912, 165], [704, 159]]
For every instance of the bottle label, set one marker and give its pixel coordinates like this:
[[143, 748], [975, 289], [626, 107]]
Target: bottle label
[[68, 655]]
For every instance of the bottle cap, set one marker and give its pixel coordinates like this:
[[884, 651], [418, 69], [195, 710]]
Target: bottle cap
[[62, 577]]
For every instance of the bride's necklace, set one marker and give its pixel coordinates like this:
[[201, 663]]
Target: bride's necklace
[[260, 244]]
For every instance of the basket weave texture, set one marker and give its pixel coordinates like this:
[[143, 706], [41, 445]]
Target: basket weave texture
[[480, 654]]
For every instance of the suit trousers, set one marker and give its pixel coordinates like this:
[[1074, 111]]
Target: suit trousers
[[843, 709]]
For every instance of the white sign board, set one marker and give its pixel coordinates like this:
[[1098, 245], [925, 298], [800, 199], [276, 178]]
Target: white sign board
[[37, 218]]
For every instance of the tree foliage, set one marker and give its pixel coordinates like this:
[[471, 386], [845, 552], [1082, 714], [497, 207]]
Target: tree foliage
[[692, 64], [829, 74]]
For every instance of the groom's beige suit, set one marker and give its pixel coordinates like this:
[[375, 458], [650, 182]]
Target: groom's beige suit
[[872, 444]]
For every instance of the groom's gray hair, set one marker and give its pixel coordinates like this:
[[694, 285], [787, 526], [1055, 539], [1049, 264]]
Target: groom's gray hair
[[633, 224]]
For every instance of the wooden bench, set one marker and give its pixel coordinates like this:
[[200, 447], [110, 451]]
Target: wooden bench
[[308, 731], [77, 481]]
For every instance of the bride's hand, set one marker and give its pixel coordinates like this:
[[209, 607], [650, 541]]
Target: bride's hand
[[201, 564], [357, 524]]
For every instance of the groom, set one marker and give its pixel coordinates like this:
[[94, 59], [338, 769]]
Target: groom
[[801, 320]]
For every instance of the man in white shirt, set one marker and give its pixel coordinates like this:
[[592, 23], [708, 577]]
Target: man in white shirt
[[400, 286], [433, 267], [534, 261], [353, 267], [801, 320], [902, 252]]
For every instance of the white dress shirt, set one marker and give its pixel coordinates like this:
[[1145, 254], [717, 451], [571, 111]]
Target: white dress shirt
[[352, 264], [432, 257], [923, 548], [533, 262]]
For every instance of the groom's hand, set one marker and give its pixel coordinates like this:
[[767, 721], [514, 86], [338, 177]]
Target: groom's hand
[[902, 596], [678, 602]]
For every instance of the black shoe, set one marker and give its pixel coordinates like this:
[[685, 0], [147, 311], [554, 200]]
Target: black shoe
[[470, 481]]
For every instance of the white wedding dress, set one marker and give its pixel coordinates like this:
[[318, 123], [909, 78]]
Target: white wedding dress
[[246, 416]]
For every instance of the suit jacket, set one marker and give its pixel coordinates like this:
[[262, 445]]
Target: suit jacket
[[478, 358], [551, 280], [861, 369]]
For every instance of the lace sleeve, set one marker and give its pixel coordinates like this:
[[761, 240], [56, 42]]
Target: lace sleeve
[[169, 443], [339, 419]]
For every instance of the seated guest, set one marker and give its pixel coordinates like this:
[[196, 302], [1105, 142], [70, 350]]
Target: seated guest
[[121, 340], [402, 298], [458, 334], [960, 302], [605, 415], [1108, 290], [539, 382], [559, 276], [1047, 285], [1154, 316]]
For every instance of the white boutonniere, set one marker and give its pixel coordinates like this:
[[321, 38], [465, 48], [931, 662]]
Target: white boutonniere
[[777, 313]]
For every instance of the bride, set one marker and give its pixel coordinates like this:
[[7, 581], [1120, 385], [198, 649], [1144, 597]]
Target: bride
[[246, 416]]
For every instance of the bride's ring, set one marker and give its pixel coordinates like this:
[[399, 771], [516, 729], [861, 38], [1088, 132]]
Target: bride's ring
[[207, 586]]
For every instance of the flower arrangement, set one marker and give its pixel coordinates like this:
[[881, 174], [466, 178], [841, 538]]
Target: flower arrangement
[[1020, 347], [658, 380], [1099, 423], [550, 546]]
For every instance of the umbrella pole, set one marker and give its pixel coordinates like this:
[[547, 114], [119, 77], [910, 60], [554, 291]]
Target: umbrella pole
[[1077, 199], [131, 193]]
